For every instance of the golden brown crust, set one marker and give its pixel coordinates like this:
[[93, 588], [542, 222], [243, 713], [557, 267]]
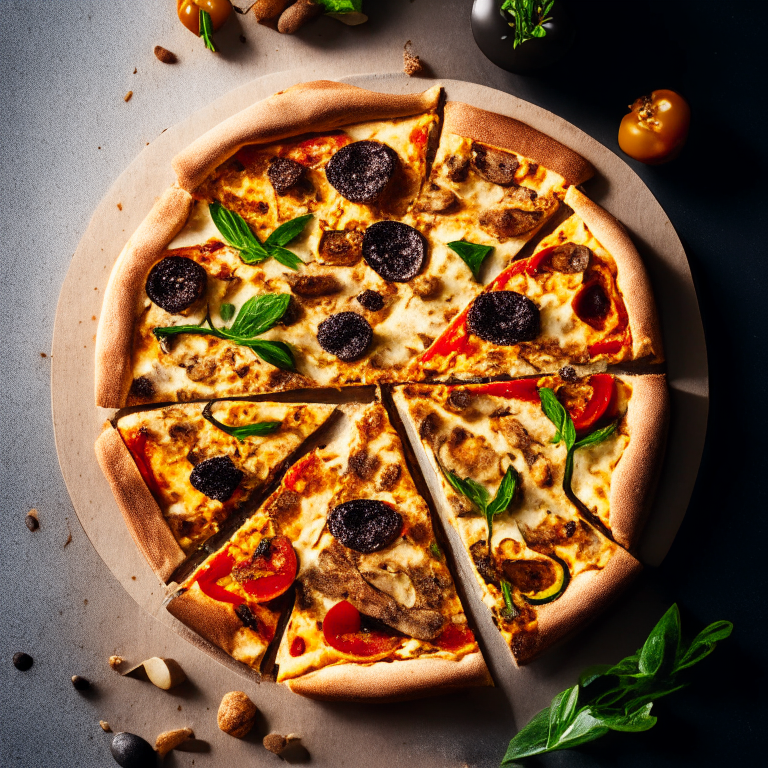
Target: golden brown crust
[[507, 133], [392, 681], [587, 595], [114, 337], [141, 512], [632, 278], [317, 106], [634, 478]]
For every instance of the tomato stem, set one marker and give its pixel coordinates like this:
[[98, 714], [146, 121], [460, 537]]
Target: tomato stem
[[206, 30]]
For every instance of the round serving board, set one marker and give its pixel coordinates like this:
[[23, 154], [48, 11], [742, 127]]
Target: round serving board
[[465, 728]]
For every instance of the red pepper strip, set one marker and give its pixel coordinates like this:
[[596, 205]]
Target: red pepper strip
[[249, 154], [137, 445], [218, 568], [529, 266], [298, 470], [278, 569], [610, 346], [520, 389], [452, 638], [603, 393]]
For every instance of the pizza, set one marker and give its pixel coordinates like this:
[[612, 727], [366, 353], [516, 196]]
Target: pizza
[[179, 472], [439, 265], [376, 614]]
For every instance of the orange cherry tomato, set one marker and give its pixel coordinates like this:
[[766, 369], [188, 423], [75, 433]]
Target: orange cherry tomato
[[342, 631], [656, 128], [189, 13]]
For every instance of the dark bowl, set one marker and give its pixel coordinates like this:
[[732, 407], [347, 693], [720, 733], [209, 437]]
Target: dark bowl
[[495, 38]]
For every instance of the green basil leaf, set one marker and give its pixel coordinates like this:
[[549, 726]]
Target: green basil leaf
[[235, 230], [568, 471], [539, 31], [658, 654], [258, 428], [657, 692], [704, 643], [436, 551], [472, 254], [206, 30], [505, 493], [173, 330], [341, 6], [285, 257], [510, 609], [556, 413], [254, 255], [590, 674], [227, 312], [562, 711], [529, 740], [259, 314], [276, 353], [475, 492], [288, 231], [583, 728], [627, 666], [598, 436], [636, 721]]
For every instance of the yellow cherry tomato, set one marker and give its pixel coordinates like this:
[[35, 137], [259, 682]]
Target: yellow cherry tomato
[[189, 13], [656, 128]]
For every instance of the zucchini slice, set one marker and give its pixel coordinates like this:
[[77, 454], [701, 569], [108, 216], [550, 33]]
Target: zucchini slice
[[538, 581]]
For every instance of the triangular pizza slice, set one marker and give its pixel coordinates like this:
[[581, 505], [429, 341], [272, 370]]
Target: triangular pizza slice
[[582, 299], [179, 472], [551, 494]]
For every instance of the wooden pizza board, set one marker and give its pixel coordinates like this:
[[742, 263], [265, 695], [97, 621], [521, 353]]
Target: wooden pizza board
[[469, 728]]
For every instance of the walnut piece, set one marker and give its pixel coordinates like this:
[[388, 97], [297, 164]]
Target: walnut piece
[[169, 740]]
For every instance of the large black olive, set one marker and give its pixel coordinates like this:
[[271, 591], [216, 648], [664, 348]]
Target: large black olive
[[131, 751], [217, 478], [284, 174], [360, 171], [365, 525], [176, 283], [346, 335], [394, 250], [504, 318]]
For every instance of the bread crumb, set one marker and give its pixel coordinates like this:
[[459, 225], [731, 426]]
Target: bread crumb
[[119, 206], [135, 70], [274, 742], [128, 96], [169, 740], [411, 62], [237, 714], [31, 520], [104, 726], [115, 662], [164, 55]]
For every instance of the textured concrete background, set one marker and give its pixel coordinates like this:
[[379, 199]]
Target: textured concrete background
[[66, 134]]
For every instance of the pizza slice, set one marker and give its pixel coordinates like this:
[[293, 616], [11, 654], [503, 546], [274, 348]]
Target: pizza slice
[[581, 299], [539, 477], [179, 472]]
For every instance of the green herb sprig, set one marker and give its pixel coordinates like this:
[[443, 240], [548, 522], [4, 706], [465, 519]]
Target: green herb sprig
[[529, 18], [206, 30], [617, 697], [472, 254], [340, 6], [255, 317], [480, 497], [235, 230], [259, 428]]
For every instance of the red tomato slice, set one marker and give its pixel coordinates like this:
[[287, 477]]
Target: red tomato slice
[[298, 646], [218, 568], [274, 573], [599, 405], [453, 637], [341, 630], [520, 389]]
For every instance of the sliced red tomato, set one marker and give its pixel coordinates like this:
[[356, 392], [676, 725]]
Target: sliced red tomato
[[454, 637], [269, 576], [599, 404], [219, 567], [419, 136], [137, 445], [342, 631], [298, 646], [520, 389]]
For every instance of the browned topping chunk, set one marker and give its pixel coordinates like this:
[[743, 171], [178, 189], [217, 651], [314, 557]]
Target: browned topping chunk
[[284, 174], [457, 168], [530, 575], [411, 63], [426, 286], [275, 743], [494, 165], [459, 399], [313, 285], [340, 247], [436, 199], [570, 258], [483, 562], [237, 714], [503, 223]]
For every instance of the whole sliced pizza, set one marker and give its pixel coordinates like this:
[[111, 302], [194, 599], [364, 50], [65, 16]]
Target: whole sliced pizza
[[332, 237]]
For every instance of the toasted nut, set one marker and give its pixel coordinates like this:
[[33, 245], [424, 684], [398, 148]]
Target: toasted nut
[[292, 19], [237, 714], [127, 96], [80, 683], [169, 740], [104, 726], [32, 521], [115, 662], [274, 742], [166, 56], [411, 62], [264, 10]]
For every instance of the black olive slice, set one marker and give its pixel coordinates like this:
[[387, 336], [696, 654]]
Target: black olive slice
[[360, 171], [494, 165], [592, 305], [284, 174], [176, 283], [365, 525], [394, 250], [346, 335], [373, 301], [570, 258], [504, 318], [217, 478]]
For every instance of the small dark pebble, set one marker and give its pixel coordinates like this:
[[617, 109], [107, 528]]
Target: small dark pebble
[[32, 522], [131, 751], [80, 683], [22, 661], [373, 301]]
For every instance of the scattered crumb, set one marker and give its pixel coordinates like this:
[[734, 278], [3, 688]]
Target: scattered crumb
[[179, 708], [119, 206], [164, 55], [135, 70], [85, 602], [104, 726], [411, 63], [133, 578], [98, 147], [127, 96], [274, 742], [169, 740], [93, 317], [42, 354], [80, 683], [31, 520], [237, 714], [68, 541], [115, 662]]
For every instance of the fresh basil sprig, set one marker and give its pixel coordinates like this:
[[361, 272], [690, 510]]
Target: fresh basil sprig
[[480, 497], [617, 697], [472, 254], [510, 610], [258, 428], [255, 317], [206, 30], [529, 18], [235, 230], [341, 6], [227, 312]]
